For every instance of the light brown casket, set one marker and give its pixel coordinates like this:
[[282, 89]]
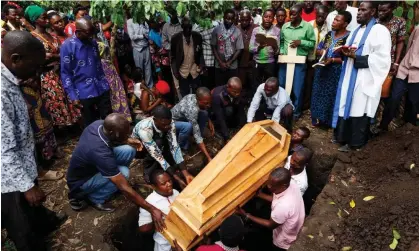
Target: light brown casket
[[228, 181]]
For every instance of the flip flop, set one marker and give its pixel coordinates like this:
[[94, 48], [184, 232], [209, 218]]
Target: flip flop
[[51, 176]]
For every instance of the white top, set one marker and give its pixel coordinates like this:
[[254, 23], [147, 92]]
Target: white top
[[300, 179], [162, 203], [257, 19], [369, 81], [276, 103], [333, 14]]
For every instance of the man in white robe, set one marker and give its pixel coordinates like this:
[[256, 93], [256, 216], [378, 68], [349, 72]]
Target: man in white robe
[[363, 73]]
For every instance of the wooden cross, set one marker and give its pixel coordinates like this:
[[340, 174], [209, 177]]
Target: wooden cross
[[291, 59]]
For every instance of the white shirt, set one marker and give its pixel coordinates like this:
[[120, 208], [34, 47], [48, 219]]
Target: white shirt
[[257, 19], [276, 103], [300, 179], [319, 37], [162, 203], [333, 14]]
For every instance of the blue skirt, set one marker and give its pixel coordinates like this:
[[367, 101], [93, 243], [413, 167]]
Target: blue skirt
[[325, 85]]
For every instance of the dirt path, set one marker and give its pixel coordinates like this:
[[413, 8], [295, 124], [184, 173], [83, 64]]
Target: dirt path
[[386, 169]]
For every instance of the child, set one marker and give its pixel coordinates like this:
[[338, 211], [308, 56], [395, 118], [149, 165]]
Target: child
[[298, 136], [297, 163], [162, 197]]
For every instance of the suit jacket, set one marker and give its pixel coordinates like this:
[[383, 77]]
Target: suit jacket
[[176, 51]]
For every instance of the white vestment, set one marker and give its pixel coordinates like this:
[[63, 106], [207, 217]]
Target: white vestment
[[369, 81]]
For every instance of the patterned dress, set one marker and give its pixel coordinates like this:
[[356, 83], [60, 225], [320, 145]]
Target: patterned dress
[[119, 99], [326, 80], [41, 121], [56, 102]]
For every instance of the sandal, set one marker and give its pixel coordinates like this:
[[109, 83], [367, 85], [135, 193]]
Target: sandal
[[51, 176]]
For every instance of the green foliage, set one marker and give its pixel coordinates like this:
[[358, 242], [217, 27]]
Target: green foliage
[[63, 6]]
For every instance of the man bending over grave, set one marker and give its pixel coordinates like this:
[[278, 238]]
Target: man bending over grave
[[99, 167], [158, 135], [287, 210], [228, 107], [271, 102]]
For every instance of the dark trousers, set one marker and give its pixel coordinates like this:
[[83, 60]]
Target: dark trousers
[[222, 76], [208, 79], [26, 226], [308, 85], [96, 108], [189, 85], [262, 73], [353, 131], [247, 78], [399, 88], [265, 113]]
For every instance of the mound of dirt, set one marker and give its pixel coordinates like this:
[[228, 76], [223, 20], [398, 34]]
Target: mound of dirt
[[388, 169]]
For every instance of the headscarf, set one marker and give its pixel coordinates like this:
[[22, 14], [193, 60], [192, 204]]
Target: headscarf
[[163, 87], [33, 12]]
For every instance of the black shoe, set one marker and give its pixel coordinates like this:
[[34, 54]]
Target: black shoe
[[102, 207], [78, 205]]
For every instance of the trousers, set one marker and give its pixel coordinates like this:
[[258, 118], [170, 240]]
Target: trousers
[[184, 129], [222, 76], [297, 94], [96, 108], [142, 60], [99, 188], [26, 226], [353, 131], [262, 73], [399, 88], [189, 85]]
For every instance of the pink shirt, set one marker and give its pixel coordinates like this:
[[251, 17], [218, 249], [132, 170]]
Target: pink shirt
[[288, 211]]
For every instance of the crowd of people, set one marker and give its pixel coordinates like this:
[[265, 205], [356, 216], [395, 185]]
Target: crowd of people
[[165, 81]]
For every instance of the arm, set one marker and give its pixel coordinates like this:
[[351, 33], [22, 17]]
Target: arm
[[219, 116], [173, 55], [214, 48], [152, 148], [132, 32], [239, 48], [281, 42], [13, 166], [122, 184], [177, 153], [285, 100], [254, 106], [106, 26], [265, 196], [309, 41], [146, 228], [271, 224], [165, 38], [145, 100], [235, 56], [67, 72], [253, 45]]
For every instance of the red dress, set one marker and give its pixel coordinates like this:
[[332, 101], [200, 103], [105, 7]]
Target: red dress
[[55, 100]]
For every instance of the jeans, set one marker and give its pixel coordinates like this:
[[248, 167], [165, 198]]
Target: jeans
[[99, 188], [142, 60], [96, 108], [399, 88], [184, 129], [297, 94]]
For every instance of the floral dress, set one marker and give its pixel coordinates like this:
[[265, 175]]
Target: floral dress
[[55, 100]]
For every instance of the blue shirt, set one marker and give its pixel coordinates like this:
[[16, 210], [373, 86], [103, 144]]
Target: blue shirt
[[93, 154], [81, 69]]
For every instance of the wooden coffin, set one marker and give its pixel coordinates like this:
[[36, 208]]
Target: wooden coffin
[[228, 181]]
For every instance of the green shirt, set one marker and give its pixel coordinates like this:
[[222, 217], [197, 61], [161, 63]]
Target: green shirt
[[303, 32]]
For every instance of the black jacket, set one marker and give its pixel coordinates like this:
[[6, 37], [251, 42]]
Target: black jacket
[[176, 51]]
